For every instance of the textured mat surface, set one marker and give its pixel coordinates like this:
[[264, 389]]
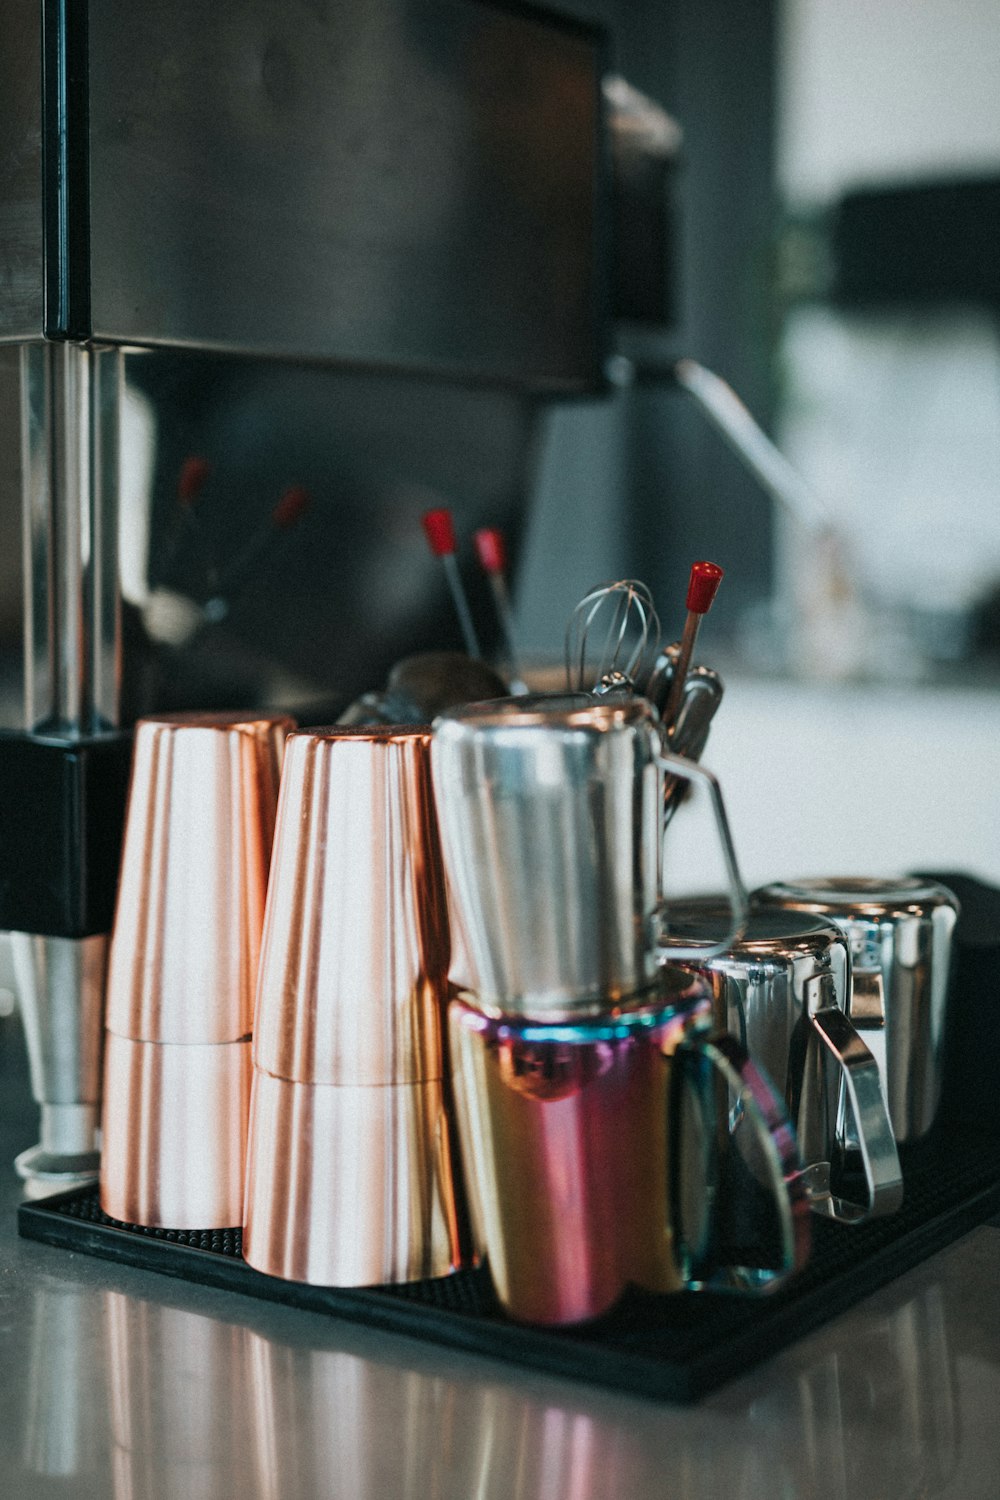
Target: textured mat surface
[[672, 1348]]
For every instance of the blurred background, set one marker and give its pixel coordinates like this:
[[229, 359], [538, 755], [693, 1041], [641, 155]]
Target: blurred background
[[828, 180]]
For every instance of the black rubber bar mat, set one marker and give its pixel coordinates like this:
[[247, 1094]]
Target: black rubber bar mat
[[679, 1347], [673, 1348]]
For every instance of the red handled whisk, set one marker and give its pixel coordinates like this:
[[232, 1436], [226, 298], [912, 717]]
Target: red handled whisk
[[439, 529], [491, 550], [702, 589]]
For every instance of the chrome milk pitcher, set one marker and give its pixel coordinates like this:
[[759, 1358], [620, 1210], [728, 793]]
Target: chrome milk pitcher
[[551, 812], [782, 989], [900, 935]]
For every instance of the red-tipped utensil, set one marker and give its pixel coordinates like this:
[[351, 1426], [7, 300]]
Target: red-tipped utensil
[[191, 481], [291, 506], [491, 549], [439, 529], [702, 589]]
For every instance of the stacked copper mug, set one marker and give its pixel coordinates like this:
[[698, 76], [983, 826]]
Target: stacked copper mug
[[350, 1179], [183, 968]]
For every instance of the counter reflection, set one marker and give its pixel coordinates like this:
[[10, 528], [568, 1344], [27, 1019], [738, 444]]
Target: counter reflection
[[146, 1401]]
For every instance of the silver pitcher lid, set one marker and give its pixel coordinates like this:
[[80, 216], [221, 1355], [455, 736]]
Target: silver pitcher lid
[[768, 930], [549, 710], [857, 896]]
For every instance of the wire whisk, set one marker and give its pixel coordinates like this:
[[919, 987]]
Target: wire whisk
[[612, 639]]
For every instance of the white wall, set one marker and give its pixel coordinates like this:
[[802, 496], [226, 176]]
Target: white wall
[[882, 89], [895, 415], [848, 779]]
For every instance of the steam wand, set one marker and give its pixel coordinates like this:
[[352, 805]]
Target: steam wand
[[741, 432]]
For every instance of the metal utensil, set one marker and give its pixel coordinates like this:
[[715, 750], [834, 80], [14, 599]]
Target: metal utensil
[[702, 588], [900, 936], [616, 1150], [612, 636], [421, 686], [439, 529], [781, 988], [491, 549], [701, 695], [182, 967]]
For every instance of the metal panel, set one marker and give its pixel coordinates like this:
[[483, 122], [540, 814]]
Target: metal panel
[[21, 271], [305, 618], [406, 184]]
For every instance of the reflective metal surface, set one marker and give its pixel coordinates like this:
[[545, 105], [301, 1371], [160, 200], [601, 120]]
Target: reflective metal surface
[[866, 1124], [584, 1173], [140, 1397], [62, 1324], [124, 1383], [350, 1179], [71, 410], [782, 989], [186, 938], [900, 937], [140, 1340], [21, 254], [60, 988], [551, 818], [350, 1186], [354, 958], [343, 1409], [175, 1131], [370, 184]]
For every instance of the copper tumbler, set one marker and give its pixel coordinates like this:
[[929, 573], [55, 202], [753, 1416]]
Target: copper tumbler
[[349, 1176], [182, 967]]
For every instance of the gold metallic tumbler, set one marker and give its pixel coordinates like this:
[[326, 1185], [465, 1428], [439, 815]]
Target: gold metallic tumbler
[[349, 1175], [635, 1147], [183, 966]]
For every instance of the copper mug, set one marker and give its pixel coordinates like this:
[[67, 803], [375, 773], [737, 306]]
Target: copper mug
[[350, 1180], [183, 967]]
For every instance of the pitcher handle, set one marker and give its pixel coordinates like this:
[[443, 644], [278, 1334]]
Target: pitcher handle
[[755, 1105], [736, 895], [863, 1086]]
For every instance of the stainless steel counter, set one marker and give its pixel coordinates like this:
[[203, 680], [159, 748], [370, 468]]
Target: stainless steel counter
[[117, 1382]]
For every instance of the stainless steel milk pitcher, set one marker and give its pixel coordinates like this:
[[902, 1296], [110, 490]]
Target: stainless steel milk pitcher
[[551, 813], [782, 990], [900, 934]]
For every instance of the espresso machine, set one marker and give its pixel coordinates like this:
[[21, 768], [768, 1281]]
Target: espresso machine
[[273, 278]]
